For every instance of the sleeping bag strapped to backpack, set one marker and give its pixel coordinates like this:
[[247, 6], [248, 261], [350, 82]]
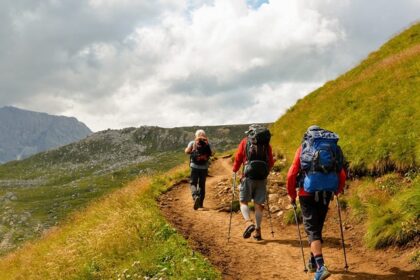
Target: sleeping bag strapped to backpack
[[201, 151], [321, 159], [257, 146]]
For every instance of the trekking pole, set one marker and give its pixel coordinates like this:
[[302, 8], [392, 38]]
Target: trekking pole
[[300, 237], [231, 204], [346, 267], [269, 215]]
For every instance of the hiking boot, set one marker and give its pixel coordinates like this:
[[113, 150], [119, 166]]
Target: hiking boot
[[249, 229], [322, 273], [197, 203], [311, 265], [257, 235]]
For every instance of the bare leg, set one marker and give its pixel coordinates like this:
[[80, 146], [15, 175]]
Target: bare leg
[[316, 247]]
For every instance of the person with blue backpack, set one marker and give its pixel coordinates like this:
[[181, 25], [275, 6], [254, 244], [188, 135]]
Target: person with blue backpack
[[318, 173], [200, 153]]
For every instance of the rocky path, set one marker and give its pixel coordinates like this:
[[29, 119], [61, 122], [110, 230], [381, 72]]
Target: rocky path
[[277, 257]]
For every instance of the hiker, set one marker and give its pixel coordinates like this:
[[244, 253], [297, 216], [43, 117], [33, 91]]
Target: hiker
[[317, 171], [255, 154], [200, 152]]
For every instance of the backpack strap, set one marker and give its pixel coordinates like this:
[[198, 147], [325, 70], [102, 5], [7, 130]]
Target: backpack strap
[[247, 155]]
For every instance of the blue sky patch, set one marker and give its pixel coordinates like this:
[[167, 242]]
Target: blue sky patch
[[255, 4]]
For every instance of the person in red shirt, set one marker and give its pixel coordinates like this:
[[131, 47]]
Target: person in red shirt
[[314, 208], [253, 187]]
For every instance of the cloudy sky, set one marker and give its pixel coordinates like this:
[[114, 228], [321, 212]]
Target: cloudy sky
[[120, 63]]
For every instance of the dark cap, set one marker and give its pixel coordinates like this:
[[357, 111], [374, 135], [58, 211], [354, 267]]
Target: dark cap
[[253, 127], [313, 127]]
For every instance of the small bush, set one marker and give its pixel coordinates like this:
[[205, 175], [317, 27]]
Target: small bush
[[289, 217], [236, 206], [343, 203], [415, 258], [278, 166]]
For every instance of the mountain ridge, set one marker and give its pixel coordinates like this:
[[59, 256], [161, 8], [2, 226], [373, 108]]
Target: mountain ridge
[[24, 133]]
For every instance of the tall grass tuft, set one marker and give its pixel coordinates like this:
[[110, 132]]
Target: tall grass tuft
[[395, 222], [289, 217]]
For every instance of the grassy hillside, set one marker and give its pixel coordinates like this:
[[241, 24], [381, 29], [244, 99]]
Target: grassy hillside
[[39, 192], [121, 236], [375, 109]]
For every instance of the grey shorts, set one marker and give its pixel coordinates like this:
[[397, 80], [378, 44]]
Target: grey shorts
[[253, 189]]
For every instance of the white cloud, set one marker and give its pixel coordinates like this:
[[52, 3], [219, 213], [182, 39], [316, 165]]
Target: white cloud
[[171, 62]]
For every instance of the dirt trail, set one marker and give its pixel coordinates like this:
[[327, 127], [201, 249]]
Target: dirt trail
[[277, 257]]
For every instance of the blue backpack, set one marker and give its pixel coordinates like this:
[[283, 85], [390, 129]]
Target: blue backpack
[[321, 160]]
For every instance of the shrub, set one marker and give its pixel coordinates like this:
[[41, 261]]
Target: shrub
[[415, 258], [395, 222], [289, 216]]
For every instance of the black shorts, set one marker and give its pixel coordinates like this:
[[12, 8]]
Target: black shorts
[[314, 213]]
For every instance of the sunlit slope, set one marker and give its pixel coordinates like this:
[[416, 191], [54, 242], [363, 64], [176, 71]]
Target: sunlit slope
[[120, 236], [375, 109]]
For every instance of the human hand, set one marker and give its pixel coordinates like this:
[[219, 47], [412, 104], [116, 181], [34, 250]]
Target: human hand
[[292, 201]]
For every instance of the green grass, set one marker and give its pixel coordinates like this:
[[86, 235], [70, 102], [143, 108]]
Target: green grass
[[374, 108], [358, 209], [59, 193], [389, 209], [395, 221], [289, 216], [121, 236]]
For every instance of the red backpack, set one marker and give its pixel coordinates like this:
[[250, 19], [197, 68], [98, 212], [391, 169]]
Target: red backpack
[[201, 151]]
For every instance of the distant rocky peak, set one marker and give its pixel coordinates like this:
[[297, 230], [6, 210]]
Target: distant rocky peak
[[24, 133]]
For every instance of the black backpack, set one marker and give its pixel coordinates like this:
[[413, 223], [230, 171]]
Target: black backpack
[[257, 146], [201, 151]]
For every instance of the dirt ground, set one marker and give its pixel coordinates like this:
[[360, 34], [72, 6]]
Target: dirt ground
[[277, 257]]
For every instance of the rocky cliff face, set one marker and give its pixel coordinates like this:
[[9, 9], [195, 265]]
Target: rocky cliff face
[[23, 133], [134, 145]]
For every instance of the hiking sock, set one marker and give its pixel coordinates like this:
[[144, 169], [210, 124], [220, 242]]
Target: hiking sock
[[258, 216], [319, 259], [245, 212]]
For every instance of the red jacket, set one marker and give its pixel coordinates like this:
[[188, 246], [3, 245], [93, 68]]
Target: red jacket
[[240, 157], [293, 172]]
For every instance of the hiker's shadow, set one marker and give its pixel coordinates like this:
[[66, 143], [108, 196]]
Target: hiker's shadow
[[396, 274], [290, 242], [330, 242]]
